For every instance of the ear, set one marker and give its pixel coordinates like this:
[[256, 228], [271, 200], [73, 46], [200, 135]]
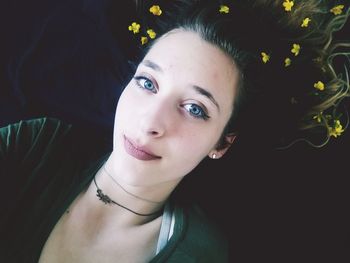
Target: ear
[[219, 152]]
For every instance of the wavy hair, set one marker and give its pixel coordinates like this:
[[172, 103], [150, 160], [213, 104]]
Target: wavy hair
[[275, 103]]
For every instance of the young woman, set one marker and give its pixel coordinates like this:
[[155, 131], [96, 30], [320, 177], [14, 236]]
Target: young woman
[[196, 89]]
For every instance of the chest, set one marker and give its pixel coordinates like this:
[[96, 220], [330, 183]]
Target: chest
[[71, 244]]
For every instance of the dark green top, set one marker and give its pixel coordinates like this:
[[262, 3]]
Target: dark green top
[[44, 165]]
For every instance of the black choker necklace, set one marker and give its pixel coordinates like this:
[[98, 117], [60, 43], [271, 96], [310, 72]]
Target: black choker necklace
[[107, 200]]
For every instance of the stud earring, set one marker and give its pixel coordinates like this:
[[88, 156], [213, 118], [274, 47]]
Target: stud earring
[[213, 156]]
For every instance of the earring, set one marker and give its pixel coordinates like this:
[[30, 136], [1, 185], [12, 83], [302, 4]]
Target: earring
[[213, 156]]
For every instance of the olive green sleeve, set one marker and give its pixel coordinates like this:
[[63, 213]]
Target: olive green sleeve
[[20, 140]]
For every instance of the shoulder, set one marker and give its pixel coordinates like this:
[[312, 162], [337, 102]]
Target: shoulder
[[33, 128], [206, 234], [36, 122], [31, 135], [202, 239]]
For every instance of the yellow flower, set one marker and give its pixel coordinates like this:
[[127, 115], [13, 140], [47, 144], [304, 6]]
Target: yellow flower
[[288, 5], [336, 130], [319, 85], [287, 62], [306, 22], [144, 40], [265, 57], [296, 49], [134, 27], [151, 33], [224, 9], [155, 10], [318, 117], [337, 10]]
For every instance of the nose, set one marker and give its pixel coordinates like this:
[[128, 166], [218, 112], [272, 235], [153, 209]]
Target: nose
[[154, 121]]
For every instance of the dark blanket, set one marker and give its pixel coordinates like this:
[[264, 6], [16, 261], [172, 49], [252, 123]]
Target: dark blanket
[[60, 59]]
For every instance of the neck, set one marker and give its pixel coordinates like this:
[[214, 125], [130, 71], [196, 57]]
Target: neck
[[108, 201], [128, 192], [142, 200]]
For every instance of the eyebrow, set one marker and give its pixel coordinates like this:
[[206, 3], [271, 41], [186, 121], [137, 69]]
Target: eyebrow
[[207, 94], [198, 89], [152, 65]]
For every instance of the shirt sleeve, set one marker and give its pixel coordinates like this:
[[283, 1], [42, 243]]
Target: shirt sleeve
[[25, 147], [20, 141]]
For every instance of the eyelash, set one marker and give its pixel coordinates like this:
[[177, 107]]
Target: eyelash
[[202, 115], [140, 81]]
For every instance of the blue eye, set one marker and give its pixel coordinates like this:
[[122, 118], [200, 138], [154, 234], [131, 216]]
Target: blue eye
[[196, 111], [148, 85], [145, 83]]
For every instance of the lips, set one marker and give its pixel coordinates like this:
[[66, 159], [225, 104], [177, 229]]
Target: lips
[[139, 152]]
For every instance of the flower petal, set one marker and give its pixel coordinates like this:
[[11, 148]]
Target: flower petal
[[337, 10], [287, 4], [265, 57], [144, 40], [134, 27], [155, 10], [224, 9], [296, 49], [319, 85], [287, 62], [151, 33], [305, 22]]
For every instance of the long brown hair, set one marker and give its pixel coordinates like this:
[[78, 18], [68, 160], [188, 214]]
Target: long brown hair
[[275, 103]]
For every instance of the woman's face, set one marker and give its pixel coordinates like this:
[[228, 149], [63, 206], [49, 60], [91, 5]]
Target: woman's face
[[172, 113]]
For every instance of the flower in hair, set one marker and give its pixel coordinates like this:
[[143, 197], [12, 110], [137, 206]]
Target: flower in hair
[[265, 57], [337, 10], [319, 85], [144, 40], [151, 33], [134, 27], [336, 130], [318, 117], [306, 22], [287, 4], [296, 49], [155, 10], [287, 62], [224, 9]]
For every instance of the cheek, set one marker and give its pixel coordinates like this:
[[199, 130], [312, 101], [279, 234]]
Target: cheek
[[124, 110], [188, 153], [125, 104], [197, 143]]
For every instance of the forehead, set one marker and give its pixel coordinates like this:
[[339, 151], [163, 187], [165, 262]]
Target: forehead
[[187, 58]]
